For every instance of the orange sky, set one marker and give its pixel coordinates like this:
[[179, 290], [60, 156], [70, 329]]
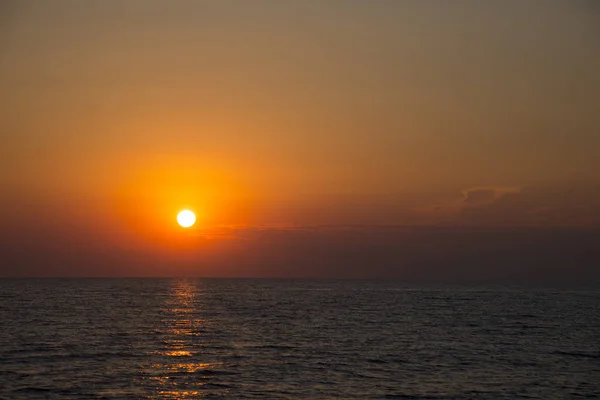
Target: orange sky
[[115, 115]]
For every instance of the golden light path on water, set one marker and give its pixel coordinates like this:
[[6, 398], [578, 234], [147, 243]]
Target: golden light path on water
[[179, 372]]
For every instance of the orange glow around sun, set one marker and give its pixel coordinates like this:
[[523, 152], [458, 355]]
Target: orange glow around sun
[[151, 201]]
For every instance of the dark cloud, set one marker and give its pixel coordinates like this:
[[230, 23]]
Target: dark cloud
[[435, 254], [542, 233], [540, 205]]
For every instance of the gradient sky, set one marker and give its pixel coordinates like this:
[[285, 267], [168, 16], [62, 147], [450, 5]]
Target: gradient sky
[[286, 125]]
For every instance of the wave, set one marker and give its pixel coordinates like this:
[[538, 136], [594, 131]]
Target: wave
[[581, 354]]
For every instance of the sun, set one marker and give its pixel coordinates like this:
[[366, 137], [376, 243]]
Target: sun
[[186, 218]]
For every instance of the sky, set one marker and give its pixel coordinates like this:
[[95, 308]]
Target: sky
[[338, 138]]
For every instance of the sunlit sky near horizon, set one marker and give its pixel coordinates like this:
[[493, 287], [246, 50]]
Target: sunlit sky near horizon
[[283, 115]]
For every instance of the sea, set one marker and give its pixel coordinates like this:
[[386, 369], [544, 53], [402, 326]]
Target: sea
[[295, 339]]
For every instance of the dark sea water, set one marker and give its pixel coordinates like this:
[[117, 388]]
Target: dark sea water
[[295, 339]]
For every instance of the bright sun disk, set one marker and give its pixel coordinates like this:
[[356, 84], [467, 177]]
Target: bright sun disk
[[186, 218]]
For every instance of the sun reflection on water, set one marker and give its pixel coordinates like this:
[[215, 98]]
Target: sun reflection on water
[[177, 370], [183, 394]]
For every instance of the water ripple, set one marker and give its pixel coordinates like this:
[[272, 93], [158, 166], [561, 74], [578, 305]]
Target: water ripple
[[245, 339]]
